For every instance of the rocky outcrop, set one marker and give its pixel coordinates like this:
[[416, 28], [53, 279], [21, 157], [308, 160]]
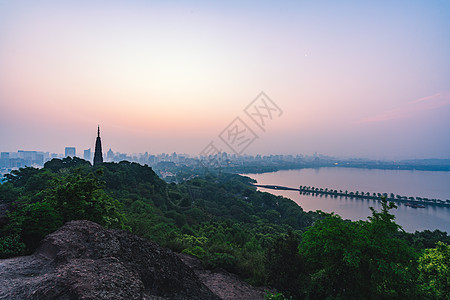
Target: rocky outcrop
[[82, 260], [222, 283]]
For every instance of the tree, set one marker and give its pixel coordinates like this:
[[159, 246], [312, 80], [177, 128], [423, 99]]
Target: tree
[[77, 197], [8, 193], [434, 272], [284, 266], [35, 221], [20, 177], [332, 254], [391, 261], [57, 165], [363, 259], [72, 197]]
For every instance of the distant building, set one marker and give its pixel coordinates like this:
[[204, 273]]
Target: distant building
[[70, 151], [46, 156], [110, 155], [152, 159], [4, 160], [87, 154], [98, 156]]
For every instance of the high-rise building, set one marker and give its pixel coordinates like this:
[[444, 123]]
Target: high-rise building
[[4, 160], [87, 154], [98, 156], [110, 155], [70, 151]]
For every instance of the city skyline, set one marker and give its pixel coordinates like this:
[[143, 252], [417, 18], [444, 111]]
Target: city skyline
[[350, 79]]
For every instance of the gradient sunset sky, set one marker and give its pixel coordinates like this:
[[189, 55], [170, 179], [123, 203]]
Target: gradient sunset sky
[[353, 78]]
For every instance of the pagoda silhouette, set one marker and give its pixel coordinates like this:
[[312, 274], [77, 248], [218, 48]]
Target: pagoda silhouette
[[98, 156]]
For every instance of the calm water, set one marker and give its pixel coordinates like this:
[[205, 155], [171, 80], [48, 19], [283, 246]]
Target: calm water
[[406, 183]]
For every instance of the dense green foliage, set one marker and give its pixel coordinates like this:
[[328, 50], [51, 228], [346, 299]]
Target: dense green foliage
[[226, 223], [286, 267], [46, 200], [434, 267], [359, 259]]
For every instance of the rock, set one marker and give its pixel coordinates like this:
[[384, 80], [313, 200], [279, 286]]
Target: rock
[[222, 283], [105, 278], [82, 260]]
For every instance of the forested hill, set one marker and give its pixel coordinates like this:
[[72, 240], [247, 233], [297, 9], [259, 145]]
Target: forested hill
[[222, 220], [225, 222]]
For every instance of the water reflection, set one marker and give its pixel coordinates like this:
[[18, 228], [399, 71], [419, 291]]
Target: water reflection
[[421, 183]]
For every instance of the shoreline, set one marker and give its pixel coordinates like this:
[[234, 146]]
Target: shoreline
[[415, 202]]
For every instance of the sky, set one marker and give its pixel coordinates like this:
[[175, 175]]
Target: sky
[[344, 78]]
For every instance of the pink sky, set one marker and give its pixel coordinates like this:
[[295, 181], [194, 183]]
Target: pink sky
[[352, 79]]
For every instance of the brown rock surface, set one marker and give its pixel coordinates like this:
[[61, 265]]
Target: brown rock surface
[[222, 283], [82, 260]]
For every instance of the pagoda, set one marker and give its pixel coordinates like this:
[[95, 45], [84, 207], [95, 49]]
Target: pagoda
[[98, 156]]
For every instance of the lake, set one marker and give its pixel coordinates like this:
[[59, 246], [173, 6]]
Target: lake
[[429, 184]]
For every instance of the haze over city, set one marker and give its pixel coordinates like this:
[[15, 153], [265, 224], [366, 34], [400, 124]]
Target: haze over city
[[365, 79]]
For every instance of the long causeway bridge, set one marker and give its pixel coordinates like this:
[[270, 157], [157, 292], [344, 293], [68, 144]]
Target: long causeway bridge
[[415, 202]]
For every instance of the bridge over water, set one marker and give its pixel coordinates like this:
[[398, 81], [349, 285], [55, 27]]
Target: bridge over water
[[409, 201]]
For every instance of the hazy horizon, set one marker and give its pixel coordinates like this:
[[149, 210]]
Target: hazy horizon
[[350, 79]]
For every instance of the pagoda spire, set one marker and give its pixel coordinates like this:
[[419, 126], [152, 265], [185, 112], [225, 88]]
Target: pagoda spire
[[98, 156]]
